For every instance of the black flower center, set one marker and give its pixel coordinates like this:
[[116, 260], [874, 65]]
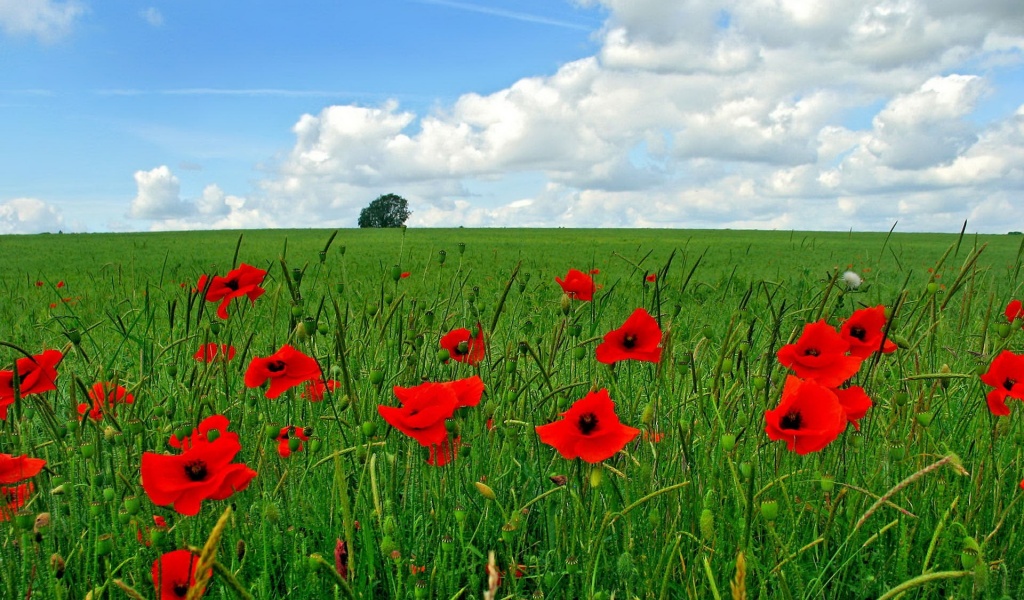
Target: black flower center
[[231, 284], [1009, 383], [587, 423], [858, 332], [276, 366], [791, 421], [812, 352], [196, 470], [629, 341], [180, 589]]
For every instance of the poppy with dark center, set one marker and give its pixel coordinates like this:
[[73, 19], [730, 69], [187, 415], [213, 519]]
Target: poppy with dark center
[[1006, 375], [36, 375], [285, 369], [577, 285], [425, 408], [808, 417], [589, 430], [820, 354], [203, 471], [243, 281], [287, 434], [639, 338], [651, 278], [211, 352], [174, 573], [1014, 310], [18, 468], [865, 332], [316, 388], [463, 346], [104, 396]]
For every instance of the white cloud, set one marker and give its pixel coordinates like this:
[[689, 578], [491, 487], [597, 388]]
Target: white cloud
[[813, 114], [153, 16], [29, 215], [159, 201], [45, 19]]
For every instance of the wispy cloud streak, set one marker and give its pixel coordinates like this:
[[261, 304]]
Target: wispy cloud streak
[[506, 14]]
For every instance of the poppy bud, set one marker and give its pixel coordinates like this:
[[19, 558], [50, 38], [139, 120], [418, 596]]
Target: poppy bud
[[443, 355], [944, 370], [566, 304], [309, 324], [388, 546], [215, 327], [485, 490], [297, 275], [746, 469], [447, 543], [596, 476], [462, 247], [23, 519], [75, 336], [172, 371], [770, 510], [508, 533], [369, 428], [828, 483], [294, 444], [271, 513], [323, 256], [240, 549], [524, 348], [389, 525], [579, 352], [376, 376], [897, 452], [728, 441], [296, 310], [132, 504], [339, 288], [87, 450], [969, 552], [460, 515], [572, 564], [104, 544], [931, 288], [707, 525], [925, 418], [323, 328], [624, 565], [421, 589], [441, 255], [341, 250]]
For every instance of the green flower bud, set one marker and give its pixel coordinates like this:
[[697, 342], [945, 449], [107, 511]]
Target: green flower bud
[[770, 510], [728, 441]]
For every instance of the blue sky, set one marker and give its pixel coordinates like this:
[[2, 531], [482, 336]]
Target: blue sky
[[173, 114]]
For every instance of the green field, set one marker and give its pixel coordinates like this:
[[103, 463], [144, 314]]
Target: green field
[[923, 499]]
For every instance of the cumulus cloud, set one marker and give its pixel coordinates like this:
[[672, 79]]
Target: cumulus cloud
[[29, 215], [44, 19], [159, 200], [811, 114]]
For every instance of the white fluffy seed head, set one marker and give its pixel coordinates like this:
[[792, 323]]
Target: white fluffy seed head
[[852, 280]]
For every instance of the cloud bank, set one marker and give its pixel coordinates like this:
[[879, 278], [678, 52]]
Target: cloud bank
[[819, 114]]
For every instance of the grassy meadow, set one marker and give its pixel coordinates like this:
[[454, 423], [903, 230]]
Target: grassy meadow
[[922, 501]]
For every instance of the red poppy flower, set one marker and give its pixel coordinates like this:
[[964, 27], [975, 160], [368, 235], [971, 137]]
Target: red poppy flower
[[12, 498], [243, 281], [36, 375], [855, 403], [639, 338], [204, 470], [820, 354], [315, 389], [1006, 375], [445, 452], [285, 369], [18, 468], [808, 417], [285, 436], [175, 572], [578, 285], [590, 430], [651, 278], [463, 347], [104, 395], [864, 331], [1014, 310], [39, 284], [405, 274], [211, 352], [423, 412], [60, 284]]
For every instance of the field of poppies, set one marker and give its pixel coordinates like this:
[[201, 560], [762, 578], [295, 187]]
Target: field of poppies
[[511, 414]]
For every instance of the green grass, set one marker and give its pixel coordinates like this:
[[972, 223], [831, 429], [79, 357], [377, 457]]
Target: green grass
[[887, 506]]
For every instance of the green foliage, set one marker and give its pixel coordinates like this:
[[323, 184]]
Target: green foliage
[[388, 210], [869, 513]]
